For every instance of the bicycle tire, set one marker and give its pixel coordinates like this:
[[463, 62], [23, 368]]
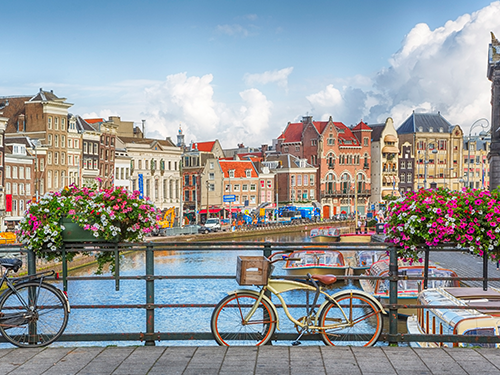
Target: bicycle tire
[[39, 307], [363, 329], [227, 321]]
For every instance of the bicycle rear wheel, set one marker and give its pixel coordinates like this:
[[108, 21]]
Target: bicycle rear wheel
[[33, 315], [227, 323], [361, 325]]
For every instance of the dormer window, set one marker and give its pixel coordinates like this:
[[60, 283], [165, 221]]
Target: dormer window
[[441, 129], [420, 129], [231, 173], [431, 130], [248, 173]]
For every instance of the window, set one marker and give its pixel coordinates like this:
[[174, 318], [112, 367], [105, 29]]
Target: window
[[248, 173], [7, 188], [409, 165], [28, 189], [252, 199], [299, 180], [253, 187], [63, 158], [14, 172], [7, 171], [28, 173], [56, 158], [409, 178], [269, 184], [311, 180], [49, 139], [21, 173], [297, 148], [228, 188], [237, 187], [76, 143], [211, 165], [365, 141], [63, 123], [14, 188], [63, 140], [49, 122], [211, 176], [56, 140], [314, 142], [56, 179], [403, 165], [95, 149], [231, 173], [244, 187], [292, 180], [56, 123]]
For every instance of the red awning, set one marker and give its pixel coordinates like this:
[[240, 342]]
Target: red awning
[[211, 210], [233, 209]]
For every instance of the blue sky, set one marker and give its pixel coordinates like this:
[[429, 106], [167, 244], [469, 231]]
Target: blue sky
[[240, 70]]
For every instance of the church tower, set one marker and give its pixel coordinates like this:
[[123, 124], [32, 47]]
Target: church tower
[[494, 77], [180, 138]]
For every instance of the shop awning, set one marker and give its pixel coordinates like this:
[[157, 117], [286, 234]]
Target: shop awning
[[233, 210], [386, 193], [211, 210]]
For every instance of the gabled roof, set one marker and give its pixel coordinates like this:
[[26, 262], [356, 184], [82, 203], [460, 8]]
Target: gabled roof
[[81, 124], [203, 146], [289, 161], [17, 140], [425, 123], [45, 96], [293, 132], [239, 166], [345, 134], [362, 126], [320, 126], [377, 130], [147, 141]]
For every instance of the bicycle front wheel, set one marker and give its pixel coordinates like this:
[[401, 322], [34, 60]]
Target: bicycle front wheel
[[228, 326], [358, 321], [33, 315]]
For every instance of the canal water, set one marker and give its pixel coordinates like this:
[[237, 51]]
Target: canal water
[[186, 292]]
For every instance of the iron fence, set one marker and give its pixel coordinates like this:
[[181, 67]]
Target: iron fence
[[151, 305]]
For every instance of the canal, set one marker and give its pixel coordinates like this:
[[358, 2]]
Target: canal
[[196, 291]]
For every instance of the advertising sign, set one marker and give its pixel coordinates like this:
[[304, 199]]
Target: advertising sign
[[141, 186]]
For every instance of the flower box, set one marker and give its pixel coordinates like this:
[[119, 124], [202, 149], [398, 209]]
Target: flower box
[[72, 232]]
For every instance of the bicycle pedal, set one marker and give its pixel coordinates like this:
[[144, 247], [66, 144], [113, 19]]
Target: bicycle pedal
[[296, 343]]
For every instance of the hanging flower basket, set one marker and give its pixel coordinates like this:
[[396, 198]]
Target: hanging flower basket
[[469, 218], [86, 215]]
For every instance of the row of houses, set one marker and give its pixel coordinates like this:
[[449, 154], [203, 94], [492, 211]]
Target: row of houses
[[340, 169]]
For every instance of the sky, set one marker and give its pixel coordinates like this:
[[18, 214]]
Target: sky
[[239, 71]]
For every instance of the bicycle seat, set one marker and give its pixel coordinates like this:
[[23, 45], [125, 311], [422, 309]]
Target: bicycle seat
[[11, 263], [325, 279]]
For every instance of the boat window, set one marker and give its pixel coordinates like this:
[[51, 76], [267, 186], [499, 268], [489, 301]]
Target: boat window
[[481, 332], [441, 283]]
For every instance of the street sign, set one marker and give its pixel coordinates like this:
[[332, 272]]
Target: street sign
[[229, 198], [141, 186]]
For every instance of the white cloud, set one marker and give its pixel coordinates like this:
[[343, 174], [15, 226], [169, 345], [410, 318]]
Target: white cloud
[[280, 77], [435, 70], [188, 101], [232, 30]]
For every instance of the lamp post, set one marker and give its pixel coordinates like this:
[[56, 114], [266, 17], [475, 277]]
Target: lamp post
[[208, 214], [196, 199], [426, 161], [482, 133]]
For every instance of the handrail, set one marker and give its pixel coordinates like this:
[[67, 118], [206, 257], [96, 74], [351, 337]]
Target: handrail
[[151, 305]]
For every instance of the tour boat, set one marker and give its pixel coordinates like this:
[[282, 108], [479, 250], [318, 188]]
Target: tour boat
[[325, 234], [456, 321], [407, 289], [363, 260], [323, 262]]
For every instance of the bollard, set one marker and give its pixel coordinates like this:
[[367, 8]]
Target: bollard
[[150, 294]]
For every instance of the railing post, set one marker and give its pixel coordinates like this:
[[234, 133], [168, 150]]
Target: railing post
[[150, 293], [485, 269], [393, 293], [31, 262], [117, 267], [426, 266], [64, 268]]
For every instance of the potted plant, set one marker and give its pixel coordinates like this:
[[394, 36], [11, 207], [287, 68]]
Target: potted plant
[[469, 218], [85, 215]]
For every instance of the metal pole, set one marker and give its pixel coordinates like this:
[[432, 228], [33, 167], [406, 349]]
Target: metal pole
[[426, 266], [208, 214], [393, 293], [485, 269], [150, 293], [468, 160], [196, 199]]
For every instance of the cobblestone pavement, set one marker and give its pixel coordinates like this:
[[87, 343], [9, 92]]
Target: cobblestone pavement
[[269, 360]]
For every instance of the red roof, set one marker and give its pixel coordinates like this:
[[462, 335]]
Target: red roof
[[293, 132], [204, 146], [239, 166], [94, 120], [347, 134], [320, 125], [362, 126]]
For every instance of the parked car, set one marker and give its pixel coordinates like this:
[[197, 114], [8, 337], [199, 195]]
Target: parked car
[[213, 224], [199, 228]]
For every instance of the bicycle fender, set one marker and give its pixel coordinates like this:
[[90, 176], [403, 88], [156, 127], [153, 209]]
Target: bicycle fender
[[347, 293], [264, 297]]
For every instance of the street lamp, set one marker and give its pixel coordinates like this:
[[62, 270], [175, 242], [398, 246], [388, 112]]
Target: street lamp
[[426, 161], [208, 214], [482, 134]]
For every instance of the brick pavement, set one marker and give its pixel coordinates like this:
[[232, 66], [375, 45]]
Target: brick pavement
[[269, 360]]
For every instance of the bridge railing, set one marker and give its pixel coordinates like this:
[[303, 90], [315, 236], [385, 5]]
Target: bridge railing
[[151, 304]]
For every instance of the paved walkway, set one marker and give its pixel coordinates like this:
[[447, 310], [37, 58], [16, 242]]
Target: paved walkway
[[269, 360]]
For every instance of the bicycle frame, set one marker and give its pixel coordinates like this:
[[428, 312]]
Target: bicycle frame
[[278, 286]]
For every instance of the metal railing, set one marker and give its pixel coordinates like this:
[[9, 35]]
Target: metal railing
[[151, 305]]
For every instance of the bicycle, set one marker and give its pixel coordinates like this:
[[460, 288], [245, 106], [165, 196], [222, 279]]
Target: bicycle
[[249, 317], [33, 313]]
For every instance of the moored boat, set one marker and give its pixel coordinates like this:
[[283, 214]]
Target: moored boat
[[357, 238], [323, 262], [325, 234], [459, 321], [407, 289], [363, 260]]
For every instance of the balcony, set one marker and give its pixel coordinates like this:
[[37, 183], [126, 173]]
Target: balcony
[[344, 193]]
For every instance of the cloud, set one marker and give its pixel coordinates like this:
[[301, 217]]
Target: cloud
[[233, 30], [280, 77], [435, 70], [188, 102]]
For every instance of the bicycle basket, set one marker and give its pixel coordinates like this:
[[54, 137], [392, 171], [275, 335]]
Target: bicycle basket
[[252, 270]]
